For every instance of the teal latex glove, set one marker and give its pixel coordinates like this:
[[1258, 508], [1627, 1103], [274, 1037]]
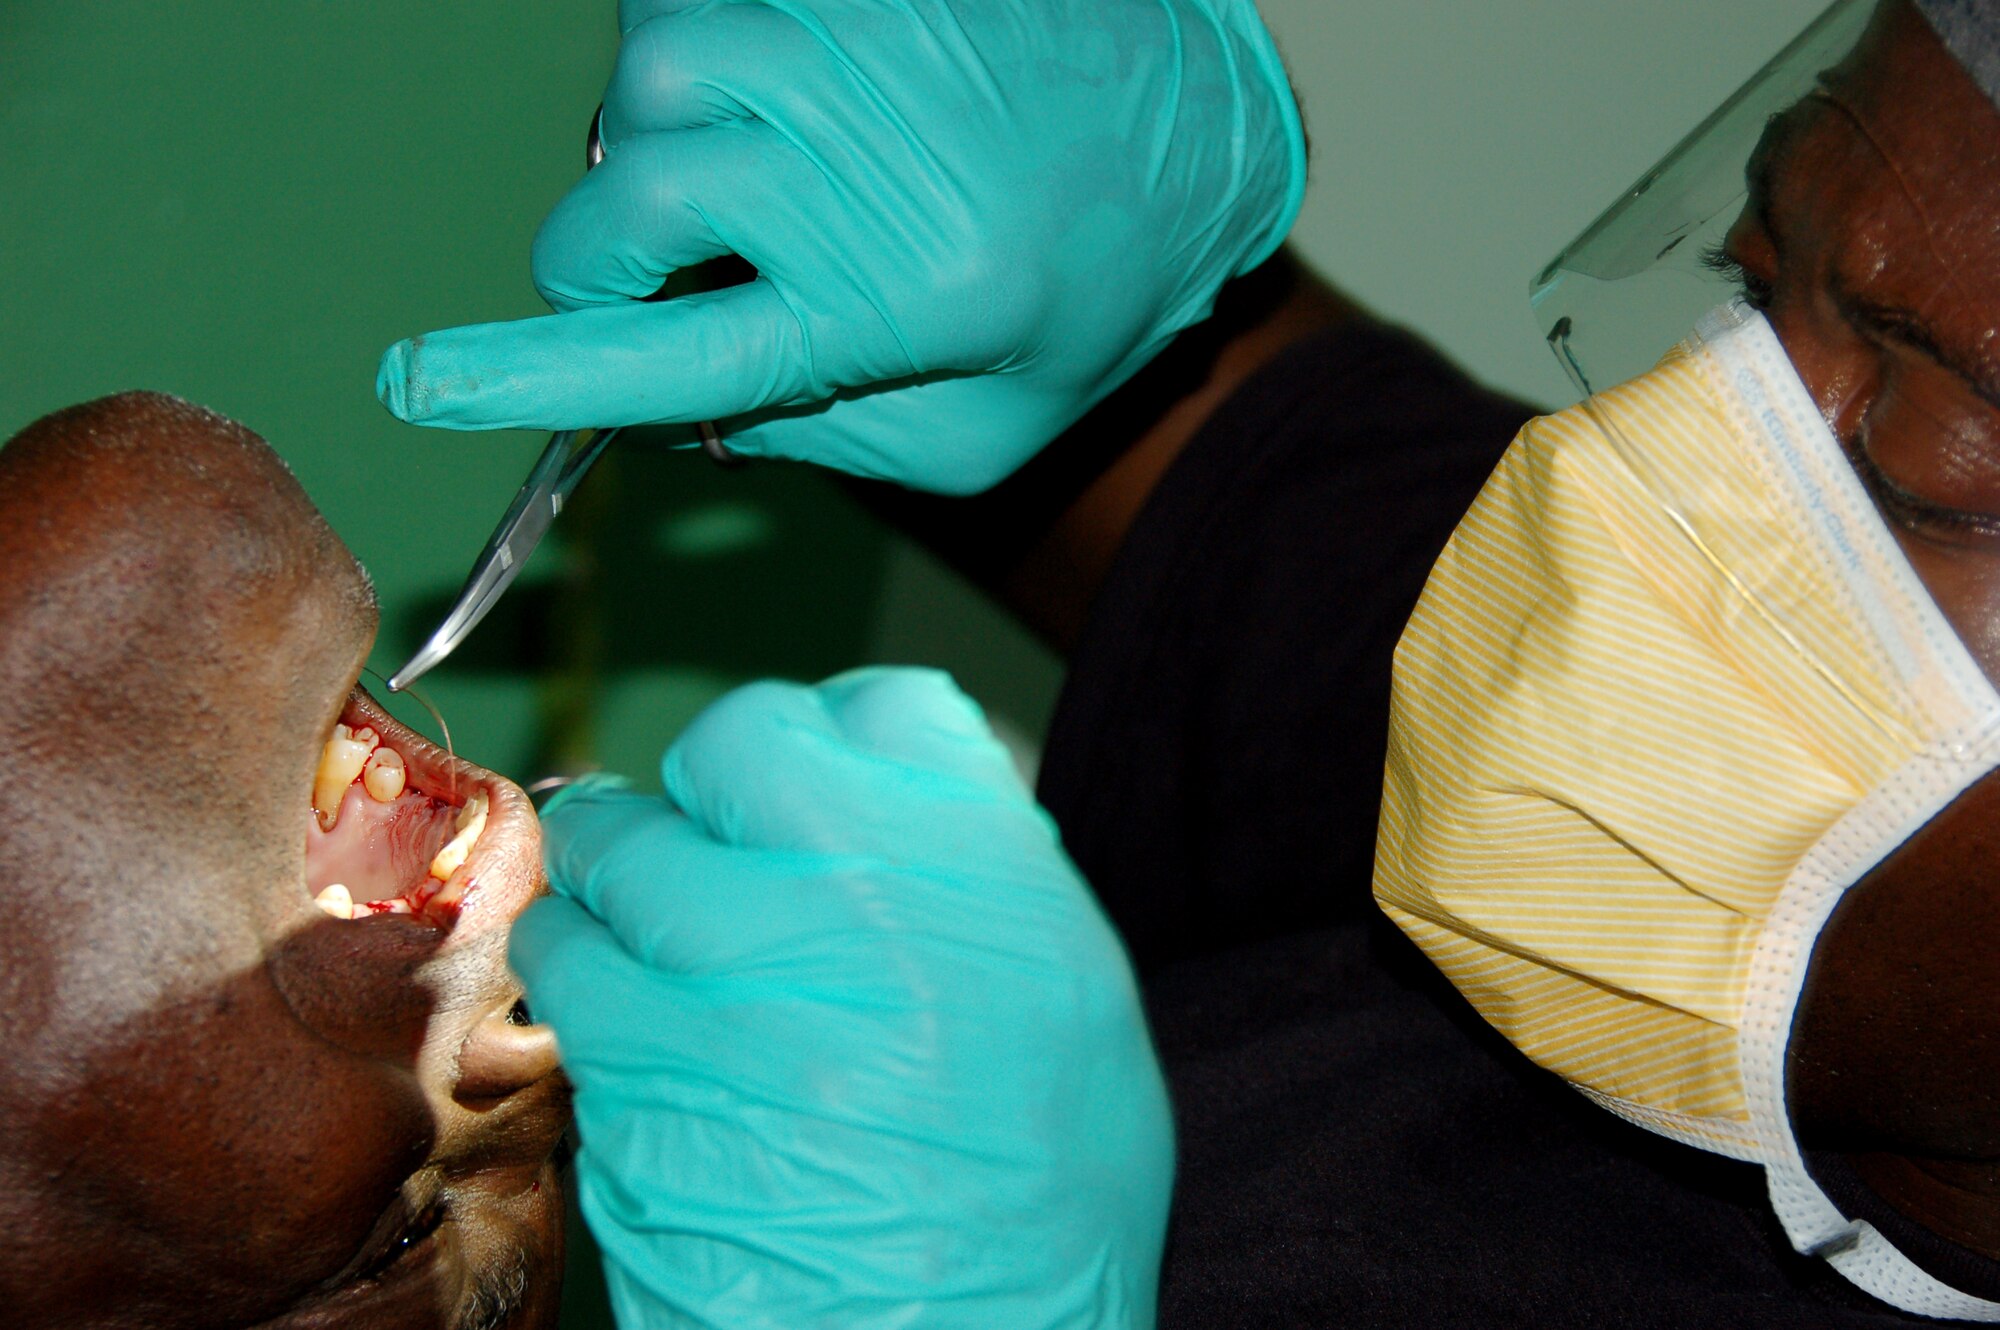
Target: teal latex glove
[[852, 1044], [972, 220]]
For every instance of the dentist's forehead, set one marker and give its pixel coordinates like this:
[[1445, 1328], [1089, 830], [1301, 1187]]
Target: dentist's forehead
[[1970, 30]]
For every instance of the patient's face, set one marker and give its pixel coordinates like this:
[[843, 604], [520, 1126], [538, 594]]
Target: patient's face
[[224, 1105]]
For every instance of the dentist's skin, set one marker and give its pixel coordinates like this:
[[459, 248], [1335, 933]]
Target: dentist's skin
[[1872, 238], [1873, 242]]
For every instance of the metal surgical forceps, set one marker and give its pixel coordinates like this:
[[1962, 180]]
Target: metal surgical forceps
[[562, 465]]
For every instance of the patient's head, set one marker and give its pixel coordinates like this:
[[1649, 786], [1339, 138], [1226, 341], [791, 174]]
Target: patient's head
[[223, 1104]]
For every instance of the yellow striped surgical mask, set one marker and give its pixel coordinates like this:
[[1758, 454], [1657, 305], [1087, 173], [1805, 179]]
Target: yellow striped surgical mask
[[1671, 689]]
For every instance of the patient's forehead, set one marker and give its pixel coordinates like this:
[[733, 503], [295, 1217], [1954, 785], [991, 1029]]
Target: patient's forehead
[[160, 568]]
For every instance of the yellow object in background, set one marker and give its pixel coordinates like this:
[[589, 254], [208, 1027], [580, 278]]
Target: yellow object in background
[[1670, 690]]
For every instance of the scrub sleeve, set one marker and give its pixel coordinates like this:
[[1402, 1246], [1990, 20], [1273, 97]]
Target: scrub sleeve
[[1357, 1148]]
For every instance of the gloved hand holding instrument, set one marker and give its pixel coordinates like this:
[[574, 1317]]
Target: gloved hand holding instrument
[[852, 1044], [970, 219]]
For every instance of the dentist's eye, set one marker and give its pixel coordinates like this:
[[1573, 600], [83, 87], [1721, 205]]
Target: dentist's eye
[[1908, 511], [1757, 292]]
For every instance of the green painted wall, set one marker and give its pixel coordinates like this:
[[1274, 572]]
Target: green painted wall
[[1459, 144], [244, 202]]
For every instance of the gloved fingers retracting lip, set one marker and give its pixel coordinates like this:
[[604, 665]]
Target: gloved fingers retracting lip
[[568, 961], [883, 754], [918, 716], [631, 13], [882, 1007]]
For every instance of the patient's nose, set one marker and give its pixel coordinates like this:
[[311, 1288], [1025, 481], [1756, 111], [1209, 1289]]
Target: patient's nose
[[504, 1053]]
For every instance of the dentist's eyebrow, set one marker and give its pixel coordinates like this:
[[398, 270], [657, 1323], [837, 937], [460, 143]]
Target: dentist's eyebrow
[[1760, 173], [1883, 320]]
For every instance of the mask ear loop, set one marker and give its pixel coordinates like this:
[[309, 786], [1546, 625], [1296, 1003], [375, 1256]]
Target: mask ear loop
[[410, 690], [1649, 478]]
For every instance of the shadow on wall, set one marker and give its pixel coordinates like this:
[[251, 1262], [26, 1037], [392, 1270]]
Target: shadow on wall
[[665, 562]]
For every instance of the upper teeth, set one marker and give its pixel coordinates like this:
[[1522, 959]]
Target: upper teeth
[[383, 776], [336, 901], [339, 902], [339, 763]]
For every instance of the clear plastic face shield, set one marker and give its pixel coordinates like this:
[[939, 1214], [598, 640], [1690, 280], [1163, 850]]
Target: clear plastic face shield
[[1652, 267], [1644, 272]]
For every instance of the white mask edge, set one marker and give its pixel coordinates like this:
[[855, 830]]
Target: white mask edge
[[1740, 345]]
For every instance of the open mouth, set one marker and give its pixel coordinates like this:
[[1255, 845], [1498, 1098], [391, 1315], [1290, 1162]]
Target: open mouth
[[395, 821]]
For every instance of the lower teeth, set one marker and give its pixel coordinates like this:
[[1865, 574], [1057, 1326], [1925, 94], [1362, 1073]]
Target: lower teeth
[[471, 821], [383, 776]]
